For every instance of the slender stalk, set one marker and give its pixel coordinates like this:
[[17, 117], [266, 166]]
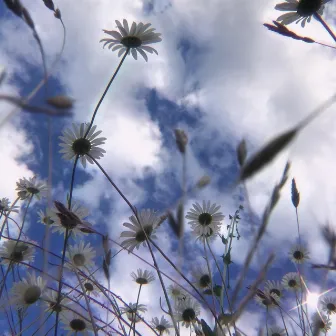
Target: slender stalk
[[103, 95], [319, 18]]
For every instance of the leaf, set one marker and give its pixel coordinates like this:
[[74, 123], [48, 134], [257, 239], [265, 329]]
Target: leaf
[[49, 4], [60, 102], [241, 152], [267, 154], [15, 6], [227, 257], [172, 223], [206, 329], [224, 240], [106, 270], [87, 230], [180, 219], [108, 257], [28, 19]]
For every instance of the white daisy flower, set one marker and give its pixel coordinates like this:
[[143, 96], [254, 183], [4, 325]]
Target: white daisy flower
[[51, 305], [31, 187], [12, 251], [321, 323], [143, 277], [187, 311], [76, 324], [132, 311], [81, 256], [276, 331], [301, 10], [265, 300], [205, 221], [72, 220], [136, 39], [5, 206], [27, 291], [73, 143], [177, 292], [201, 276], [90, 288], [329, 305], [162, 326], [149, 221], [291, 281], [45, 217], [274, 288], [298, 254]]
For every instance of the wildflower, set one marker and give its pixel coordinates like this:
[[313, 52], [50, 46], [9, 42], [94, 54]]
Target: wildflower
[[45, 217], [162, 325], [298, 254], [321, 322], [143, 277], [27, 291], [276, 331], [90, 288], [187, 311], [274, 288], [177, 292], [81, 256], [31, 187], [74, 144], [132, 311], [5, 206], [76, 323], [137, 235], [13, 251], [205, 221], [265, 300], [329, 305], [202, 278], [134, 40], [71, 220], [51, 304], [301, 10], [291, 281]]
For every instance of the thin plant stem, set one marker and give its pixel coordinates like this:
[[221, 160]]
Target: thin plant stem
[[319, 18], [106, 89]]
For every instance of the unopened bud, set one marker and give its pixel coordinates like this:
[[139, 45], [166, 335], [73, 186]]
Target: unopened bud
[[181, 140], [203, 181]]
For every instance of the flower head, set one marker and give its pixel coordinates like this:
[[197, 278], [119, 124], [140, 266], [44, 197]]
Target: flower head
[[51, 305], [74, 144], [265, 300], [291, 281], [205, 221], [187, 311], [31, 187], [90, 287], [5, 206], [143, 277], [276, 331], [27, 291], [162, 326], [71, 220], [301, 10], [329, 305], [274, 288], [137, 236], [76, 323], [321, 323], [298, 254], [132, 311], [134, 39], [45, 217], [202, 278], [12, 251], [81, 256], [177, 292]]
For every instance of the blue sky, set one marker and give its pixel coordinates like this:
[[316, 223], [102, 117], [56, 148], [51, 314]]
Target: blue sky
[[221, 76]]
